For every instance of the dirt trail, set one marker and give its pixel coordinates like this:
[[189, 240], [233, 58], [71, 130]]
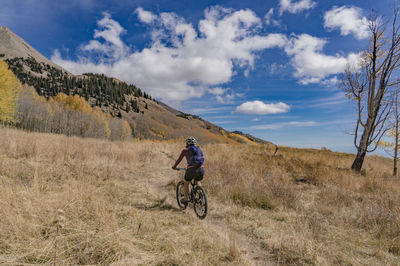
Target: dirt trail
[[162, 186]]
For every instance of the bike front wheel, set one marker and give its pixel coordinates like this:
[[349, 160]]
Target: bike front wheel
[[180, 195], [200, 202]]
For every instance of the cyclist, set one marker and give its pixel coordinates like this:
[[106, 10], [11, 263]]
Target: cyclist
[[194, 169]]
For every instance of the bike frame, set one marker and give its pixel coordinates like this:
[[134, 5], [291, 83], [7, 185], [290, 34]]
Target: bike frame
[[192, 183]]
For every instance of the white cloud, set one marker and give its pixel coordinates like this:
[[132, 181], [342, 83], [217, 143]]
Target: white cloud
[[331, 81], [181, 62], [208, 110], [349, 20], [145, 16], [295, 7], [222, 96], [268, 18], [255, 119], [310, 64], [260, 108], [225, 99], [285, 125], [111, 30], [217, 91]]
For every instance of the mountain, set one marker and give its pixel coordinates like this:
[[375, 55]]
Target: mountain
[[148, 118], [12, 46]]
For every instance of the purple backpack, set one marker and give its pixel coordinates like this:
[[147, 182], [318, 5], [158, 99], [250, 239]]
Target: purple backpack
[[195, 156]]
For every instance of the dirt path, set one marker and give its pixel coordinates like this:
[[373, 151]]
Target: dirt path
[[162, 187]]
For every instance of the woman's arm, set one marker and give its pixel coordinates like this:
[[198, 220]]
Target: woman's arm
[[183, 153]]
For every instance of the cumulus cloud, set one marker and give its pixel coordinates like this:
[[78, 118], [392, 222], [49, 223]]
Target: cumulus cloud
[[181, 62], [349, 20], [310, 64], [295, 7], [110, 31], [145, 16], [260, 108]]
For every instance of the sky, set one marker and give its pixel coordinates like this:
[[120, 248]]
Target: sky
[[268, 68]]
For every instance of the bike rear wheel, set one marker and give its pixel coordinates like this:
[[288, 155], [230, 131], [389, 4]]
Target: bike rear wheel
[[200, 202], [180, 195]]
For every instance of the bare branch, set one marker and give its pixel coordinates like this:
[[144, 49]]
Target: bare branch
[[379, 139], [371, 86]]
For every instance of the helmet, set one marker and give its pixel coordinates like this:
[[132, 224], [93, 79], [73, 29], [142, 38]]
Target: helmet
[[191, 141]]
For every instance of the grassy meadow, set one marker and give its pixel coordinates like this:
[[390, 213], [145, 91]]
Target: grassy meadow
[[69, 200]]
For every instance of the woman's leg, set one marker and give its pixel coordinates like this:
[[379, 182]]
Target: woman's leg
[[186, 190], [199, 176]]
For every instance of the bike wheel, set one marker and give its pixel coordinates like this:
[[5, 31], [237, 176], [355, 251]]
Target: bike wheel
[[180, 195], [200, 202]]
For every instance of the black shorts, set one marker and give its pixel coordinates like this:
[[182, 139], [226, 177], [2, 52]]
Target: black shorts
[[196, 173]]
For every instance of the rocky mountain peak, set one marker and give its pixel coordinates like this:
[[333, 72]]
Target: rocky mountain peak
[[11, 46]]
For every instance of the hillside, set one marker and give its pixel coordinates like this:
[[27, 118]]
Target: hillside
[[148, 118], [68, 200], [12, 46]]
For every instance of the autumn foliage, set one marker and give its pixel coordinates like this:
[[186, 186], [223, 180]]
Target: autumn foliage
[[69, 115], [9, 89]]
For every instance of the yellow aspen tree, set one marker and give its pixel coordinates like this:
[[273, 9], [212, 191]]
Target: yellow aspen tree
[[76, 102], [102, 121], [126, 130], [61, 98], [394, 133], [9, 91]]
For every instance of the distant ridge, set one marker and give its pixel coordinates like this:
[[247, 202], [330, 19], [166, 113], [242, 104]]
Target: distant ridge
[[11, 45]]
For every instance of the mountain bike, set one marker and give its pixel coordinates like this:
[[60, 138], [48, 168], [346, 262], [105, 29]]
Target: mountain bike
[[196, 195]]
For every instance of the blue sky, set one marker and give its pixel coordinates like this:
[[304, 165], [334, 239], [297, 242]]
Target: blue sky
[[268, 68]]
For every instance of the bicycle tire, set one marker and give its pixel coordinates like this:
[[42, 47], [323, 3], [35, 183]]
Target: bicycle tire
[[200, 205], [180, 195]]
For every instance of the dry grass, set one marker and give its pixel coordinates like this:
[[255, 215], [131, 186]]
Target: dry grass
[[320, 211], [84, 201]]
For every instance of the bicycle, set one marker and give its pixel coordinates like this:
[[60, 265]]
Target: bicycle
[[196, 195]]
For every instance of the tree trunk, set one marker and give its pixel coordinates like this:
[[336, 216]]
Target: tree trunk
[[396, 149], [358, 162], [362, 148], [396, 140]]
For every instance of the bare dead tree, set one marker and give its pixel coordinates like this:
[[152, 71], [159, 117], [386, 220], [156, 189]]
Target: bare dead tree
[[392, 148], [371, 85], [394, 132]]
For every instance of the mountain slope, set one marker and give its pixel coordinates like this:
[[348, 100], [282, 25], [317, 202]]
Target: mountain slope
[[12, 46], [148, 118]]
